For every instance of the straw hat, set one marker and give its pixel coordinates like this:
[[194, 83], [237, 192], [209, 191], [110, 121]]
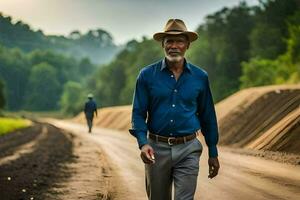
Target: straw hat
[[175, 27]]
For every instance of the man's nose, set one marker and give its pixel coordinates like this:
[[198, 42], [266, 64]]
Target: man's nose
[[173, 45]]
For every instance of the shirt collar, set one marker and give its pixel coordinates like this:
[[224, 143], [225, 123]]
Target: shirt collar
[[187, 66]]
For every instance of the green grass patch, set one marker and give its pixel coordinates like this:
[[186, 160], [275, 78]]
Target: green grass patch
[[34, 115], [8, 125]]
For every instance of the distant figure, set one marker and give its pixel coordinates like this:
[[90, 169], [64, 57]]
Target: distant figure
[[90, 108]]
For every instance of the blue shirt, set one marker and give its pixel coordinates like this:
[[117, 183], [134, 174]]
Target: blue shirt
[[174, 108], [89, 108]]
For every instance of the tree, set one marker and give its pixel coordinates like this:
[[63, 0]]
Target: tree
[[14, 71], [285, 68], [43, 89], [86, 68], [114, 83], [258, 72], [72, 99], [268, 36], [223, 44]]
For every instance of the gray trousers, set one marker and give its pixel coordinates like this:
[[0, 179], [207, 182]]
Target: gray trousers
[[178, 164]]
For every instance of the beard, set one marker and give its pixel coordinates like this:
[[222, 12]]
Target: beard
[[174, 57]]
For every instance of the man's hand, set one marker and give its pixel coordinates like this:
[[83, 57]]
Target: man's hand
[[214, 166], [147, 154]]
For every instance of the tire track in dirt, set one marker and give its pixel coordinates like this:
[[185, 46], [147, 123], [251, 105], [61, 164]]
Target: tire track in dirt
[[35, 172], [25, 148]]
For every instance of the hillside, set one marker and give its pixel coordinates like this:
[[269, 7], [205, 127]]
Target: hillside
[[97, 45], [261, 118]]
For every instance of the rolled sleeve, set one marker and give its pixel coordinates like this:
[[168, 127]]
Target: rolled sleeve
[[208, 119]]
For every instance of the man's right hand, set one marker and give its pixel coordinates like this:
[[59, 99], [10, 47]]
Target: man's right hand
[[147, 154]]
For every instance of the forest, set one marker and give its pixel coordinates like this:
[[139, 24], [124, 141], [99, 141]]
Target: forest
[[239, 47]]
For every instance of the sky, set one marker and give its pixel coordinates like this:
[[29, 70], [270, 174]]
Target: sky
[[123, 19]]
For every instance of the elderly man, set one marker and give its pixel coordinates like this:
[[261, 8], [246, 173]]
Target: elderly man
[[172, 101]]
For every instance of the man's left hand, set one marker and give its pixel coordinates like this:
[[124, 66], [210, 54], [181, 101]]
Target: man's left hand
[[214, 166]]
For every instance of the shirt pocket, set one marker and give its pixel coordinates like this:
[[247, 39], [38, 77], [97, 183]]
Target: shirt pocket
[[160, 91], [188, 96]]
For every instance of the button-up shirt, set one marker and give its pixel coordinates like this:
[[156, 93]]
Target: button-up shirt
[[168, 107], [89, 108]]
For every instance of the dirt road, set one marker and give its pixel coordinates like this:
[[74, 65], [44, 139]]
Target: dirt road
[[240, 177]]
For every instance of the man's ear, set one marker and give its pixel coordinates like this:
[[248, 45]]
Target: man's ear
[[162, 43]]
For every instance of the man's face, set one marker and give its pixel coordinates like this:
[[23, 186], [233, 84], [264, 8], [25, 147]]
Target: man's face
[[175, 47]]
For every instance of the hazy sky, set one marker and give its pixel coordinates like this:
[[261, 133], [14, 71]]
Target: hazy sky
[[124, 19]]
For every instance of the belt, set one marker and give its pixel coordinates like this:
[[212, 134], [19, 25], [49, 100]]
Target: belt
[[172, 140]]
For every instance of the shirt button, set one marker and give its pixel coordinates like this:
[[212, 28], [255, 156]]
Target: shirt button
[[171, 134], [173, 105], [171, 120], [172, 76], [175, 90]]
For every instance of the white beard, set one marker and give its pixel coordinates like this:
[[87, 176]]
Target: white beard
[[176, 58]]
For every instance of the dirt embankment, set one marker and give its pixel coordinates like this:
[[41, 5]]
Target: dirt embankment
[[118, 117], [263, 118], [259, 118]]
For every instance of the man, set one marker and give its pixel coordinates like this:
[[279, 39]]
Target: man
[[175, 98], [90, 108]]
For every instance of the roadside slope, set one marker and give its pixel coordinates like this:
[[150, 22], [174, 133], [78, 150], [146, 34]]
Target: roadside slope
[[260, 118]]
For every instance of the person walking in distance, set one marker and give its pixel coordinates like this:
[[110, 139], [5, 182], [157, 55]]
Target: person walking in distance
[[90, 108], [172, 102]]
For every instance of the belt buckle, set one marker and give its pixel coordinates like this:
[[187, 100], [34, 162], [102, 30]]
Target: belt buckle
[[169, 140]]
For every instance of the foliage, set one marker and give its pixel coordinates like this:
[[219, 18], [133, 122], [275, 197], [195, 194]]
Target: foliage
[[72, 99], [97, 45], [239, 47], [259, 72], [113, 84], [43, 88], [14, 71], [284, 69], [270, 30], [223, 44], [37, 76]]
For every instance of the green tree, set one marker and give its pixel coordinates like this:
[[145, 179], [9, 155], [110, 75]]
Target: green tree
[[86, 68], [284, 69], [43, 89], [266, 41], [267, 37], [114, 83], [14, 71], [258, 72], [97, 45], [72, 98], [223, 44]]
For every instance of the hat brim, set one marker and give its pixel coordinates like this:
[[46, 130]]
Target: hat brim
[[192, 36]]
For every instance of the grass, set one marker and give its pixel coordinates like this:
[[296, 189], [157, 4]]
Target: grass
[[36, 114], [8, 125]]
